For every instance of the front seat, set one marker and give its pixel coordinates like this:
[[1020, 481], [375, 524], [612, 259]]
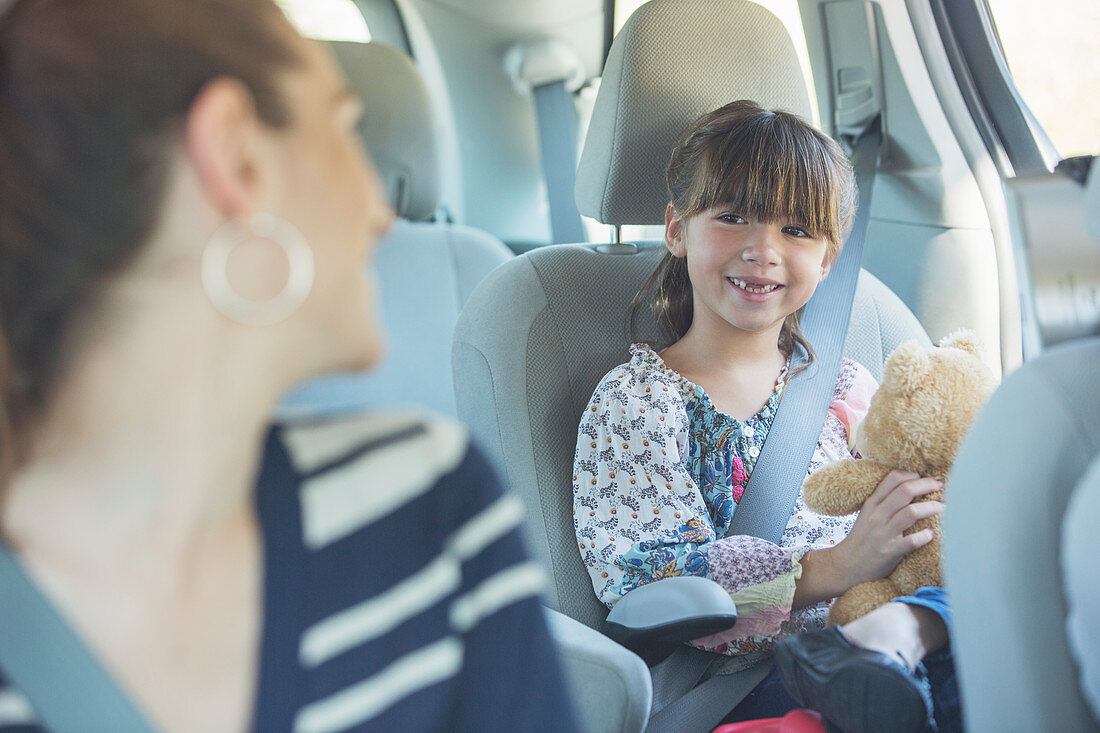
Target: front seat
[[536, 337], [1020, 540], [1020, 468], [426, 270]]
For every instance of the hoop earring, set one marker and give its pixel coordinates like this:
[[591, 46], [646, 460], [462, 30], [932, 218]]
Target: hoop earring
[[215, 280]]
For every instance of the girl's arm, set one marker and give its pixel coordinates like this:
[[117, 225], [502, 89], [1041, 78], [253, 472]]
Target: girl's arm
[[877, 542]]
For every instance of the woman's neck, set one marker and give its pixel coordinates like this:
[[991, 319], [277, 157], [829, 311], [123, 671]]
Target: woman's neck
[[150, 442]]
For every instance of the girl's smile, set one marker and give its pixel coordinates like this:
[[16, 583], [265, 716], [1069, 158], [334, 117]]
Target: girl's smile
[[746, 273], [753, 289]]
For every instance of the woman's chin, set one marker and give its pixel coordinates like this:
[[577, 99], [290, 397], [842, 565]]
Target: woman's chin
[[370, 352]]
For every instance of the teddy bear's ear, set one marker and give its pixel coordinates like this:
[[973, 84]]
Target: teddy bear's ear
[[964, 339], [906, 367]]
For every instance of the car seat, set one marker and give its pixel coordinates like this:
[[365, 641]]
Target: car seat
[[426, 270], [538, 334], [1020, 543], [1079, 575], [1016, 473]]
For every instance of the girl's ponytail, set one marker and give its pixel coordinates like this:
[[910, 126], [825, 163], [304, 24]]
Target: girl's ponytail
[[669, 288], [7, 427]]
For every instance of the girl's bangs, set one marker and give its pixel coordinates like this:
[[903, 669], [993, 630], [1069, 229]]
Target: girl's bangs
[[773, 173]]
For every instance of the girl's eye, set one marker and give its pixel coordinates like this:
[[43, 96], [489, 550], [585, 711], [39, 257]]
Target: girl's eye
[[731, 218], [796, 231]]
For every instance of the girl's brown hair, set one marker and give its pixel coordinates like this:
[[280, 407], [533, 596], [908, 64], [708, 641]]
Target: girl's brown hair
[[92, 96], [766, 164]]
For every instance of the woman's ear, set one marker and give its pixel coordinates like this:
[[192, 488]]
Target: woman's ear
[[674, 232], [223, 141]]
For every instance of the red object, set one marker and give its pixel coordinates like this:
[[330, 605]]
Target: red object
[[796, 721]]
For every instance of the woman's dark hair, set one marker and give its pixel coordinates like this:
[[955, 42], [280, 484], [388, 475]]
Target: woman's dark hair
[[766, 164], [92, 96]]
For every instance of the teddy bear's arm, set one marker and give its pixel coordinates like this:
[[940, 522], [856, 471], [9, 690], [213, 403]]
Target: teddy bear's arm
[[841, 488]]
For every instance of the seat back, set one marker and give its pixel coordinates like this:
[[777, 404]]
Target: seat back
[[1016, 473], [527, 377], [536, 337], [1079, 550], [426, 270]]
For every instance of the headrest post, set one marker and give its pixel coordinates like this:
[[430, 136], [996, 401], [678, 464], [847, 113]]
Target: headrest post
[[616, 234]]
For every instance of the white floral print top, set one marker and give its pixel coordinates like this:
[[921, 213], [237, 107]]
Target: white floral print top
[[658, 474]]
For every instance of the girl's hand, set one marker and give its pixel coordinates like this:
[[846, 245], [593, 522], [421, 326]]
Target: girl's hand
[[877, 542]]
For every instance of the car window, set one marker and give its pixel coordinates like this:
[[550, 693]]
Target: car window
[[1051, 52], [327, 20]]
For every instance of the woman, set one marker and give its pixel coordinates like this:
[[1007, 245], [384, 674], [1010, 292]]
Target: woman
[[184, 214]]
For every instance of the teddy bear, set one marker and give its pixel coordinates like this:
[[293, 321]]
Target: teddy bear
[[916, 422]]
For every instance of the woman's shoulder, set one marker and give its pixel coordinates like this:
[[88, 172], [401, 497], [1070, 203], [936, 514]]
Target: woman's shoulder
[[333, 442], [353, 470]]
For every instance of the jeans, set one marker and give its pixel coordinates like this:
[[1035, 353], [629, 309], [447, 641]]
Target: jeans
[[770, 698]]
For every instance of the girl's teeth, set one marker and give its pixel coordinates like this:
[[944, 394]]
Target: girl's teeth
[[753, 288]]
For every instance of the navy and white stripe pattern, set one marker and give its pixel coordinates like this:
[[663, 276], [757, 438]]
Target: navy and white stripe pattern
[[398, 594]]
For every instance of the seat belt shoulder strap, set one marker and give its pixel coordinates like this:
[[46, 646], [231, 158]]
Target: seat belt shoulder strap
[[776, 480], [42, 657]]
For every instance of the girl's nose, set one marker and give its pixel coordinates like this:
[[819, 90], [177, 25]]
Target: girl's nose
[[761, 249]]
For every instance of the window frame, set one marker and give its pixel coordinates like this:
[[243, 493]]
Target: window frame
[[1012, 134], [384, 15]]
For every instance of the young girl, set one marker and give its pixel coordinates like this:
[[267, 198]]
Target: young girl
[[760, 203]]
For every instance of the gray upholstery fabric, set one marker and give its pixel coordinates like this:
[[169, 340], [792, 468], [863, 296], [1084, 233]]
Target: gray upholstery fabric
[[1007, 497], [425, 273], [1080, 548], [673, 61], [400, 129], [538, 334], [532, 372], [1092, 203], [609, 683]]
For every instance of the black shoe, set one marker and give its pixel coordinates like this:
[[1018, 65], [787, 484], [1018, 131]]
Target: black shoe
[[857, 690]]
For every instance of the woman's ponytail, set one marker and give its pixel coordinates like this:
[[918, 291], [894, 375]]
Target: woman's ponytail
[[7, 423]]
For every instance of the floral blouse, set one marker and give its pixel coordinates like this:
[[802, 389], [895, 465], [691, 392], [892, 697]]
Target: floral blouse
[[658, 474]]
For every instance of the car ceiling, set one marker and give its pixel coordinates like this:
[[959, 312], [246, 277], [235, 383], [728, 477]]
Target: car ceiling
[[512, 20]]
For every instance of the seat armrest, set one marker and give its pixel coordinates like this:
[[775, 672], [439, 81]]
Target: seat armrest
[[611, 685], [653, 619]]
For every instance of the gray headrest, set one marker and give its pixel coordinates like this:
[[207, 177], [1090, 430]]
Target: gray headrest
[[672, 62], [400, 129]]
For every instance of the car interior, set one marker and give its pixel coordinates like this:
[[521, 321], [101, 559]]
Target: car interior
[[523, 147]]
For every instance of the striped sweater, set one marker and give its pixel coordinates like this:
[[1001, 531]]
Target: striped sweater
[[398, 595]]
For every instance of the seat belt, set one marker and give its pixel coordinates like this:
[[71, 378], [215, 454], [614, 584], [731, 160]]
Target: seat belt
[[776, 479], [781, 466], [550, 70], [557, 121], [42, 657]]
